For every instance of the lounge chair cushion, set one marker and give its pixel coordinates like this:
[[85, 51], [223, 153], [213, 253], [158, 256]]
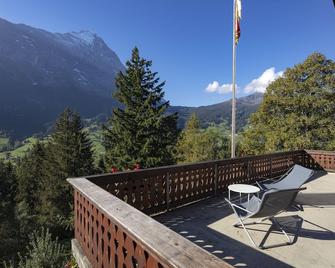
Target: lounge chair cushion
[[294, 179], [252, 205]]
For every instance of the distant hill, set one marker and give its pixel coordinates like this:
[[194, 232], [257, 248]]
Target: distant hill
[[41, 73], [221, 112]]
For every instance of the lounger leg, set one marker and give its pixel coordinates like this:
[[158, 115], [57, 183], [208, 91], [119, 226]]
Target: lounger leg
[[245, 229], [282, 230], [243, 224]]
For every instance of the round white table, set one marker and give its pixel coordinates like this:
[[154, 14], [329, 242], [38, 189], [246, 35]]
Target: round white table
[[243, 189]]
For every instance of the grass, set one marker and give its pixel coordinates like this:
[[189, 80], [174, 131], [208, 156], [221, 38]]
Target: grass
[[93, 128], [4, 141], [94, 135], [20, 151]]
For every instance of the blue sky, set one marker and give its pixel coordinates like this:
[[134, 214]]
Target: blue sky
[[190, 41]]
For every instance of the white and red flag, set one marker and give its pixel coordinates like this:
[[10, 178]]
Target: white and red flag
[[238, 13]]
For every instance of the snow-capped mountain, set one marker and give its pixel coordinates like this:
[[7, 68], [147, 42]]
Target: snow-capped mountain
[[41, 73]]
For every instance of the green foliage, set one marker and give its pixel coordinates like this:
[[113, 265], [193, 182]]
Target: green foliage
[[70, 147], [30, 172], [42, 252], [8, 223], [4, 143], [19, 149], [196, 144], [69, 154], [298, 110], [37, 194], [140, 131]]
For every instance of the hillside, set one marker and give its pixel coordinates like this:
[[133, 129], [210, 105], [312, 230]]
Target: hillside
[[221, 112], [43, 72]]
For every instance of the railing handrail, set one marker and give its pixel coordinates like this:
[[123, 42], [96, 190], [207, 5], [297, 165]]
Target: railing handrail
[[321, 152], [190, 165], [172, 250]]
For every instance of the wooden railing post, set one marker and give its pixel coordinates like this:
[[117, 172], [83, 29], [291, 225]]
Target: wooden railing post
[[270, 167], [167, 190], [248, 169], [215, 178]]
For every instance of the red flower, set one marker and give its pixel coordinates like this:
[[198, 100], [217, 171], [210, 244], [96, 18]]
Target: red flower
[[114, 169]]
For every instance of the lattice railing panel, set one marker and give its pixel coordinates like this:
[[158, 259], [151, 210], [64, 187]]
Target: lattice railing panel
[[320, 159], [157, 190], [105, 243], [190, 183], [144, 190], [231, 171]]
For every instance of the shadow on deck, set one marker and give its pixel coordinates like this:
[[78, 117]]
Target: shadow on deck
[[208, 224]]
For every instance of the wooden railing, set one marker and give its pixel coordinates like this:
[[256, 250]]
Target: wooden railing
[[320, 159], [112, 233], [160, 189]]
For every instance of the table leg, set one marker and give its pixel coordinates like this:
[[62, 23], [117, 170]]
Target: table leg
[[228, 194], [248, 198], [240, 197]]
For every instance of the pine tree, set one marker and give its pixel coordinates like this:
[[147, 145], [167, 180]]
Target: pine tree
[[30, 174], [140, 131], [8, 224], [70, 146], [69, 154], [298, 110]]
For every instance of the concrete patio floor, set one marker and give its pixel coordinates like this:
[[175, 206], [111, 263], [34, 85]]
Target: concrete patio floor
[[209, 224]]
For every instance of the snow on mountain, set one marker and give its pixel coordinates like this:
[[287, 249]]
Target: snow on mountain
[[75, 69], [85, 37]]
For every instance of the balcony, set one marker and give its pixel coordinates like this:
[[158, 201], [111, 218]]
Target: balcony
[[176, 216]]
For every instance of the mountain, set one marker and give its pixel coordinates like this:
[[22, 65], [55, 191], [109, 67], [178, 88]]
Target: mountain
[[221, 112], [41, 73]]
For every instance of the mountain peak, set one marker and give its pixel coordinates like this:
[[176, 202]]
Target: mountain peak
[[84, 36]]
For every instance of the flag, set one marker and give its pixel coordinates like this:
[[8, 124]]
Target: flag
[[238, 12]]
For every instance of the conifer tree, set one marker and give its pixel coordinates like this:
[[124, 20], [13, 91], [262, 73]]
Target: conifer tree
[[30, 173], [140, 132], [298, 110], [8, 224], [69, 154]]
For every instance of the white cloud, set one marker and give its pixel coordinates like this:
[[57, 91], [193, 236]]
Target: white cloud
[[221, 89], [260, 84]]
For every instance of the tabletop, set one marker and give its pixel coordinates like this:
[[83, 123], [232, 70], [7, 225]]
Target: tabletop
[[243, 188]]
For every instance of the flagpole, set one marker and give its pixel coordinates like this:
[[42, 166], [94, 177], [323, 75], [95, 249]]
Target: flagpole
[[233, 109]]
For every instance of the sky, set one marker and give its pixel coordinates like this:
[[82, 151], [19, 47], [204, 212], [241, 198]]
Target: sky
[[190, 41]]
